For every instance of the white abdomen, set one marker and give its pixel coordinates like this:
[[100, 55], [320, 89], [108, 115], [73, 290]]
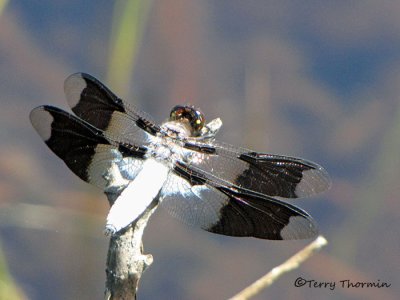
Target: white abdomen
[[137, 196]]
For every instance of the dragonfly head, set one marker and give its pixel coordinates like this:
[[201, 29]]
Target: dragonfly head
[[190, 115]]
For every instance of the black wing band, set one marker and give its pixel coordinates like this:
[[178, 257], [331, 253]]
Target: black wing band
[[272, 175], [92, 101], [202, 200], [253, 214], [80, 145]]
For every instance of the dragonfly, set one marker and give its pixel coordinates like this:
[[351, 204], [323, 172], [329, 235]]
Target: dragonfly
[[205, 183]]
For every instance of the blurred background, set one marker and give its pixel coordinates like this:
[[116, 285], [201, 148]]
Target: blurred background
[[315, 79]]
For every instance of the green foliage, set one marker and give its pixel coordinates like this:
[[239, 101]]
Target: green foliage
[[8, 288], [128, 22]]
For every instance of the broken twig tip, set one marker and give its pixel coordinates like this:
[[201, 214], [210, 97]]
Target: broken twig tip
[[109, 230]]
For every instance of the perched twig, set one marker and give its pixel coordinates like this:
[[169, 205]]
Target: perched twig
[[276, 272], [125, 260]]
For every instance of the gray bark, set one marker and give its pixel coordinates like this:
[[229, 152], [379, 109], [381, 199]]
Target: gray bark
[[126, 261]]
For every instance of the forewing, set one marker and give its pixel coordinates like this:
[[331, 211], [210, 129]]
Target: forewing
[[93, 102], [272, 175], [203, 202], [86, 150]]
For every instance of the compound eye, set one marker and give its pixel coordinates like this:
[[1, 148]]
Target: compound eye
[[194, 117], [198, 122], [177, 113]]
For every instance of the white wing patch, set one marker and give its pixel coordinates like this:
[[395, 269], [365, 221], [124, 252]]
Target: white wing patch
[[197, 205], [119, 170]]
